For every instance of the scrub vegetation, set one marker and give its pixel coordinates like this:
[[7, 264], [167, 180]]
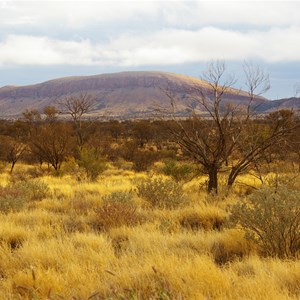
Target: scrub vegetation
[[202, 207], [63, 238]]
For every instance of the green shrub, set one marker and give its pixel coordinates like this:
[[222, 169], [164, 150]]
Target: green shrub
[[178, 171], [33, 190], [14, 196], [91, 162], [160, 192], [11, 199], [70, 166], [271, 218], [120, 196]]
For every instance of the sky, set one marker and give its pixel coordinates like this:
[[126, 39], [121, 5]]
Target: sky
[[43, 40]]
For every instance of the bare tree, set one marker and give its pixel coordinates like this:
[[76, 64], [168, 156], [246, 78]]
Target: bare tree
[[257, 80], [209, 141], [229, 139], [250, 146], [77, 107]]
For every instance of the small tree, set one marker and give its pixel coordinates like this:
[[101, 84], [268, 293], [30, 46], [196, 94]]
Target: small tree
[[12, 150], [51, 114], [77, 107], [51, 143], [142, 132]]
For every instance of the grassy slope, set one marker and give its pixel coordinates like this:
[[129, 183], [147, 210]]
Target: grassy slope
[[51, 251]]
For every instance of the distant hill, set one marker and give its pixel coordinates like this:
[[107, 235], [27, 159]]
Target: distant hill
[[126, 94], [287, 103]]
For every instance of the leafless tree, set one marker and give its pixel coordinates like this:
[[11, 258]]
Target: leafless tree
[[209, 141], [249, 145], [257, 80], [229, 139], [77, 107]]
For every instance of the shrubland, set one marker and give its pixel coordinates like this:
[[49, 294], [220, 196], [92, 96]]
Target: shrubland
[[125, 210], [138, 235]]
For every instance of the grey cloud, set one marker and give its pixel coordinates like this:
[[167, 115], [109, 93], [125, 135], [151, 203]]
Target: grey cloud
[[163, 47]]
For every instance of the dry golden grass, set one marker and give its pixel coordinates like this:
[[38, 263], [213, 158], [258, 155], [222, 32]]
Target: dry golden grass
[[51, 250]]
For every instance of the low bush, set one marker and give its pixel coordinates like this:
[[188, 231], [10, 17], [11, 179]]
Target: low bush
[[161, 192], [14, 196], [33, 190], [115, 214], [11, 199], [178, 171], [91, 162], [120, 196], [271, 218]]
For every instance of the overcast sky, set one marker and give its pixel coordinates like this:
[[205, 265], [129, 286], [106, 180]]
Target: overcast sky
[[42, 40]]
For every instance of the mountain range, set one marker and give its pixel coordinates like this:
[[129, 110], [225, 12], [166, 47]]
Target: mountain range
[[126, 94]]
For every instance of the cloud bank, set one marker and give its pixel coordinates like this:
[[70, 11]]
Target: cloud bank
[[180, 13], [42, 39], [163, 47]]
